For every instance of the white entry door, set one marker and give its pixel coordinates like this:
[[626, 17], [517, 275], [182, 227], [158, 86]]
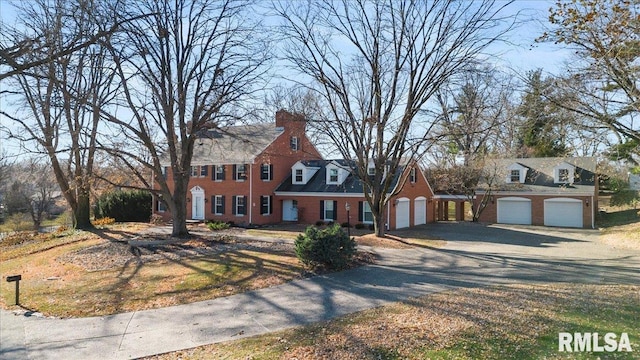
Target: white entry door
[[402, 213], [290, 210], [197, 203], [420, 212]]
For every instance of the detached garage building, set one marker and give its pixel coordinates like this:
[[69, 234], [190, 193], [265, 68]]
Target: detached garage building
[[561, 192]]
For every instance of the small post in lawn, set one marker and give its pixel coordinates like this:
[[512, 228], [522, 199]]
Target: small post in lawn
[[348, 207], [16, 279]]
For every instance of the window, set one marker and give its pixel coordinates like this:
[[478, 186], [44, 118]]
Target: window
[[298, 177], [328, 211], [563, 175], [195, 171], [165, 170], [367, 215], [515, 176], [413, 176], [333, 175], [161, 206], [266, 172], [217, 204], [240, 172], [294, 143], [219, 173], [239, 205], [371, 170], [203, 170], [265, 205]]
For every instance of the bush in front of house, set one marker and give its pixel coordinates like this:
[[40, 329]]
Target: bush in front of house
[[121, 205], [329, 247], [217, 225]]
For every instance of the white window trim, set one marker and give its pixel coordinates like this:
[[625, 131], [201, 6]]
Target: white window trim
[[237, 205], [268, 167], [329, 175], [511, 175], [238, 172], [295, 143], [295, 175], [324, 216], [366, 205], [523, 173], [413, 175], [215, 205], [268, 204], [571, 175], [161, 207], [217, 174]]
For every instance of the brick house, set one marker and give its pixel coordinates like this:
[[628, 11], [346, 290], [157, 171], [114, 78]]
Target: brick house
[[272, 173], [234, 171], [559, 192], [320, 190]]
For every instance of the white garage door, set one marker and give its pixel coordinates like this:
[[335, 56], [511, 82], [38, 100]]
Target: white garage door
[[402, 213], [514, 210], [420, 212], [563, 212]]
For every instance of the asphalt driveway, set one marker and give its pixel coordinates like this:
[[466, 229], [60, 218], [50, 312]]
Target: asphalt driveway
[[475, 255]]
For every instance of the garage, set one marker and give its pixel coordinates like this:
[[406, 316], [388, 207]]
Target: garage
[[514, 210], [563, 212], [420, 213], [402, 213]]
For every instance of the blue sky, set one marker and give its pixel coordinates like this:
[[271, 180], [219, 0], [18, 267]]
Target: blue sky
[[520, 53]]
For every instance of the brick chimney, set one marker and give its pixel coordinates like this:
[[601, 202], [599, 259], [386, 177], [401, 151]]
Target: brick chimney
[[293, 122]]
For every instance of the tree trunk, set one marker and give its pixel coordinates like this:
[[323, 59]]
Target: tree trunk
[[378, 225], [179, 214], [82, 212]]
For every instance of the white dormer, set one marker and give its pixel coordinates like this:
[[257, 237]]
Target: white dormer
[[516, 174], [336, 174], [371, 169], [301, 174], [564, 173]]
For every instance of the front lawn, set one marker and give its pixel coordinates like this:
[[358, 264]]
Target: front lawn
[[506, 322]]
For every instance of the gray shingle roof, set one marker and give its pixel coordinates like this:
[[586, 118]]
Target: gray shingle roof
[[234, 145], [318, 184], [540, 174]]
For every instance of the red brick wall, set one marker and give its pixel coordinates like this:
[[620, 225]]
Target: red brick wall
[[278, 153], [490, 213]]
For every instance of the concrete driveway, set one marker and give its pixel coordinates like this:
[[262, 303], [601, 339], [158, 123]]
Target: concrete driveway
[[475, 255]]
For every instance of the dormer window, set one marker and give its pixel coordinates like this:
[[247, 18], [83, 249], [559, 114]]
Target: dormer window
[[333, 176], [515, 176], [564, 174], [371, 171], [298, 176]]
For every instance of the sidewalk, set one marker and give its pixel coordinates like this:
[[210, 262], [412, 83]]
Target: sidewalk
[[398, 275]]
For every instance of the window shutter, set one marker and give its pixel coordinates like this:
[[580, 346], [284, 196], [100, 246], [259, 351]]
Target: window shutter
[[233, 204], [205, 169], [270, 171], [360, 211], [235, 168], [270, 204], [222, 212], [321, 209], [244, 210], [335, 210], [213, 204], [213, 172], [263, 208], [263, 172]]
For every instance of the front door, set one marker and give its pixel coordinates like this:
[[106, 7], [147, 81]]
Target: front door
[[290, 210], [197, 203]]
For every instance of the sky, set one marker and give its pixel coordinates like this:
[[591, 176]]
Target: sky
[[519, 53]]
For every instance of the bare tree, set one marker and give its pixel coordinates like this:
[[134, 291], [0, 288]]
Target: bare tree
[[473, 109], [374, 65], [60, 100], [187, 68], [605, 37]]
